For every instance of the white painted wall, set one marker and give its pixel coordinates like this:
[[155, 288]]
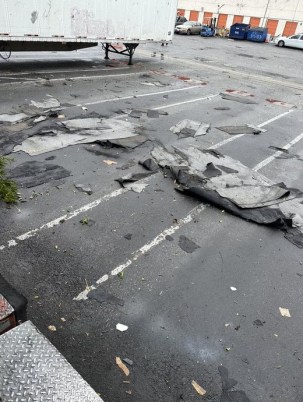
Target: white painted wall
[[277, 9]]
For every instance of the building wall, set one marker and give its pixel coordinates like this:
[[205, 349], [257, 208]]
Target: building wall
[[269, 11]]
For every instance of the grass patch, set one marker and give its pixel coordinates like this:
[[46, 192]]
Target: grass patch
[[8, 188]]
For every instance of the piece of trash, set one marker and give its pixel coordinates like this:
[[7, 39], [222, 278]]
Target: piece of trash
[[153, 114], [52, 328], [122, 366], [103, 296], [240, 99], [280, 103], [227, 349], [39, 119], [128, 361], [222, 108], [120, 275], [84, 221], [149, 164], [201, 391], [247, 129], [61, 116], [258, 323], [84, 188], [63, 319], [211, 171], [13, 118], [116, 132], [129, 392], [187, 245], [121, 327], [190, 128], [33, 173], [232, 288], [84, 108], [109, 162], [284, 312], [46, 103], [128, 236], [129, 181], [227, 325]]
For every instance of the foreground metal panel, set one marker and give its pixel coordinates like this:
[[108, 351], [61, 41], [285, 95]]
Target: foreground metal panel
[[87, 21], [32, 370]]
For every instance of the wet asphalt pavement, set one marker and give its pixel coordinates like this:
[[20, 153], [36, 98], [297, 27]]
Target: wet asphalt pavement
[[184, 321]]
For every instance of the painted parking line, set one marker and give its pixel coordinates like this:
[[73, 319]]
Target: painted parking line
[[143, 250], [236, 137], [62, 71], [278, 153]]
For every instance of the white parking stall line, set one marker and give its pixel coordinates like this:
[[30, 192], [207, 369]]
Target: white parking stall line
[[208, 97], [143, 250], [236, 137], [62, 71], [278, 153], [143, 95]]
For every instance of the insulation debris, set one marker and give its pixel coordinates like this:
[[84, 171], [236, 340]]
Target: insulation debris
[[190, 128], [246, 129]]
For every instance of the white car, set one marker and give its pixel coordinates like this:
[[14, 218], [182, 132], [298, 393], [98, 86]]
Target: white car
[[291, 41], [189, 28]]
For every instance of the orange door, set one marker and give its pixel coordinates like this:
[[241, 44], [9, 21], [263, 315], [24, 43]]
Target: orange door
[[238, 18], [194, 15], [272, 26], [290, 28], [222, 21], [254, 22], [207, 18], [181, 12]]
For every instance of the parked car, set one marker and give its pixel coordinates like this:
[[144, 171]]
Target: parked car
[[180, 20], [291, 41], [189, 28]]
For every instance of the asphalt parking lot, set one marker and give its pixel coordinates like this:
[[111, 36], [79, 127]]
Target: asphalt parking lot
[[208, 313]]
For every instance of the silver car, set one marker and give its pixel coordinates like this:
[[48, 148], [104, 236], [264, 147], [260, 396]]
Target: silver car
[[189, 28], [291, 41]]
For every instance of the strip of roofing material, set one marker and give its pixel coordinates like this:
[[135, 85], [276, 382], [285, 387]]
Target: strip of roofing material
[[238, 189]]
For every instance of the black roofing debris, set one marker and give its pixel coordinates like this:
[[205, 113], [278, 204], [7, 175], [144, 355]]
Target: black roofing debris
[[229, 185]]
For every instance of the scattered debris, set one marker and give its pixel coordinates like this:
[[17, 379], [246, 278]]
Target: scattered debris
[[247, 129], [211, 171], [128, 236], [46, 103], [153, 114], [169, 238], [246, 194], [121, 327], [238, 92], [84, 188], [8, 188], [102, 296], [129, 181], [33, 173], [227, 384], [154, 84], [120, 275], [52, 328], [280, 103], [240, 99], [187, 245], [258, 323], [128, 143], [233, 289], [13, 118], [201, 391], [190, 128], [285, 154], [128, 361], [122, 366], [150, 165], [284, 312], [222, 108], [109, 162], [63, 319], [39, 119], [80, 132], [85, 221]]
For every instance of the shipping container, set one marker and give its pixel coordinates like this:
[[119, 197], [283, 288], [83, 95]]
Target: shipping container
[[55, 25]]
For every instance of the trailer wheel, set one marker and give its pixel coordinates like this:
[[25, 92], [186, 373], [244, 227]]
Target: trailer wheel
[[188, 32], [281, 43], [5, 52]]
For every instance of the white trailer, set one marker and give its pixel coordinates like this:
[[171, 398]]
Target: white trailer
[[61, 25]]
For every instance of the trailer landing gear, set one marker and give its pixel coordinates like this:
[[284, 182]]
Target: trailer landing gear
[[128, 51]]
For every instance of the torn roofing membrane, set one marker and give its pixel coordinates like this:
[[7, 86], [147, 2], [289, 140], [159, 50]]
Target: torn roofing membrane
[[80, 131], [228, 184]]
